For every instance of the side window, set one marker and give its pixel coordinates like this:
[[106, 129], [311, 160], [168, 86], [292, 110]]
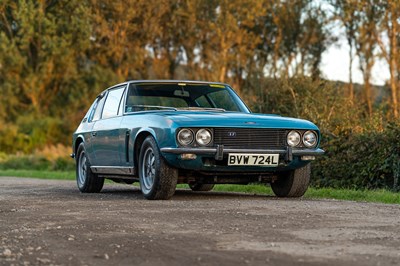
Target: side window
[[89, 116], [112, 103], [97, 109]]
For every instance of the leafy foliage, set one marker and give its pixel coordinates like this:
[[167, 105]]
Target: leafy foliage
[[368, 160], [361, 152]]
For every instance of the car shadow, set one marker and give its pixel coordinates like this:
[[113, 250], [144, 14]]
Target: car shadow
[[183, 194]]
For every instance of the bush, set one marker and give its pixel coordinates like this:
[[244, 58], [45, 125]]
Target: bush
[[50, 158], [26, 162], [63, 164], [361, 151], [3, 157], [368, 160], [322, 102]]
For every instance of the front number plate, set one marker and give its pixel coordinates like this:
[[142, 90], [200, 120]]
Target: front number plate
[[253, 159]]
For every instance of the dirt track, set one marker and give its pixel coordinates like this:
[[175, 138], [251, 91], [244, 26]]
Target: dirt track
[[50, 223]]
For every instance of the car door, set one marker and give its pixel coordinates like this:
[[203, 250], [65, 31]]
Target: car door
[[105, 136]]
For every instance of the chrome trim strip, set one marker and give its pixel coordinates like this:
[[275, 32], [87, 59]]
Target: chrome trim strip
[[116, 170], [189, 150], [212, 151]]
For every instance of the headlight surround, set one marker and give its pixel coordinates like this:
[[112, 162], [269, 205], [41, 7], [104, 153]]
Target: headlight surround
[[310, 139], [185, 136], [293, 138], [203, 137]]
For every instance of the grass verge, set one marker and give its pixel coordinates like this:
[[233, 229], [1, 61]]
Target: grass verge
[[39, 174], [381, 196]]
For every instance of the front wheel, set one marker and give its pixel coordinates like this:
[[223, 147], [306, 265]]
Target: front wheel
[[157, 179], [292, 184], [87, 181]]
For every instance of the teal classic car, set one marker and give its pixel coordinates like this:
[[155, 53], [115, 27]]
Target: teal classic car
[[166, 132]]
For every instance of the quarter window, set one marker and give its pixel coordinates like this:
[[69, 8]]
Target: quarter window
[[98, 109], [112, 103]]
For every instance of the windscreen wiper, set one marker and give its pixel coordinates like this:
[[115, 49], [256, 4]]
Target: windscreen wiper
[[157, 107], [203, 109]]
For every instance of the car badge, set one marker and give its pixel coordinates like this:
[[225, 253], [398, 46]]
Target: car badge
[[231, 134]]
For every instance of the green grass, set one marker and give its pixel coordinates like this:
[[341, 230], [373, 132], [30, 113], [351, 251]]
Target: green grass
[[382, 196], [39, 174], [251, 189]]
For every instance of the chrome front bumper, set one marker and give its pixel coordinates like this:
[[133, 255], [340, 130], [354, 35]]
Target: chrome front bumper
[[220, 151]]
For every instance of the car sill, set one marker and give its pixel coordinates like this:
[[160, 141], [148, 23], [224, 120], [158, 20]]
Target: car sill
[[115, 170]]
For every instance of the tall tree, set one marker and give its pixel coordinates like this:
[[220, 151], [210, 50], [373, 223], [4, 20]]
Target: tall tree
[[119, 36], [287, 18], [390, 28], [366, 45], [176, 43], [313, 41], [346, 12], [38, 41], [294, 37], [228, 43]]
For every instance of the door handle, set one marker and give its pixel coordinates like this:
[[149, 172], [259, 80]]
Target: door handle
[[94, 134]]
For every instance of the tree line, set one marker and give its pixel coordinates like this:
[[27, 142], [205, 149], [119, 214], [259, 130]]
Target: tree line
[[56, 56]]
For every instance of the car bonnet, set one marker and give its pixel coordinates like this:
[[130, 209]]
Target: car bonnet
[[234, 119]]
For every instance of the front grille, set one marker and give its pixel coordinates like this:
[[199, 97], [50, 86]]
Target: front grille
[[250, 138]]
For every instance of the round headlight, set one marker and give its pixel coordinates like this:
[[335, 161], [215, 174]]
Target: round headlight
[[203, 137], [293, 138], [185, 137], [310, 139]]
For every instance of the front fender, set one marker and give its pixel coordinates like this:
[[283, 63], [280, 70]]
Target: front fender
[[76, 140]]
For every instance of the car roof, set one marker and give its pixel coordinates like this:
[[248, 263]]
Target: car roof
[[175, 81], [150, 81]]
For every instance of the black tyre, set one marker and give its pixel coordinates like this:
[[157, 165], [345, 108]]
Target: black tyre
[[292, 184], [157, 179], [201, 187], [87, 181]]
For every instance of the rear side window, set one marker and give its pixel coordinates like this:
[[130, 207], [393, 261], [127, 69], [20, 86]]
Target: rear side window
[[97, 109], [113, 102]]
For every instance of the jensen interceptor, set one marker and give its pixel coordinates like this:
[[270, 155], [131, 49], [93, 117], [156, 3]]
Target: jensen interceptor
[[161, 133]]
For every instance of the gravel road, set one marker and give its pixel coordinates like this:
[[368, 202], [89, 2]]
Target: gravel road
[[48, 222]]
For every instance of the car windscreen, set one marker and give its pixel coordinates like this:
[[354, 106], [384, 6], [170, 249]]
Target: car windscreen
[[150, 96]]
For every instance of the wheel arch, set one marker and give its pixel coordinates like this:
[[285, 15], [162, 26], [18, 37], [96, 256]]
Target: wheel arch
[[78, 142], [139, 139]]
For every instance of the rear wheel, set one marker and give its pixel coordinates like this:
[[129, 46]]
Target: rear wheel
[[87, 181], [201, 187], [292, 184], [157, 179]]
